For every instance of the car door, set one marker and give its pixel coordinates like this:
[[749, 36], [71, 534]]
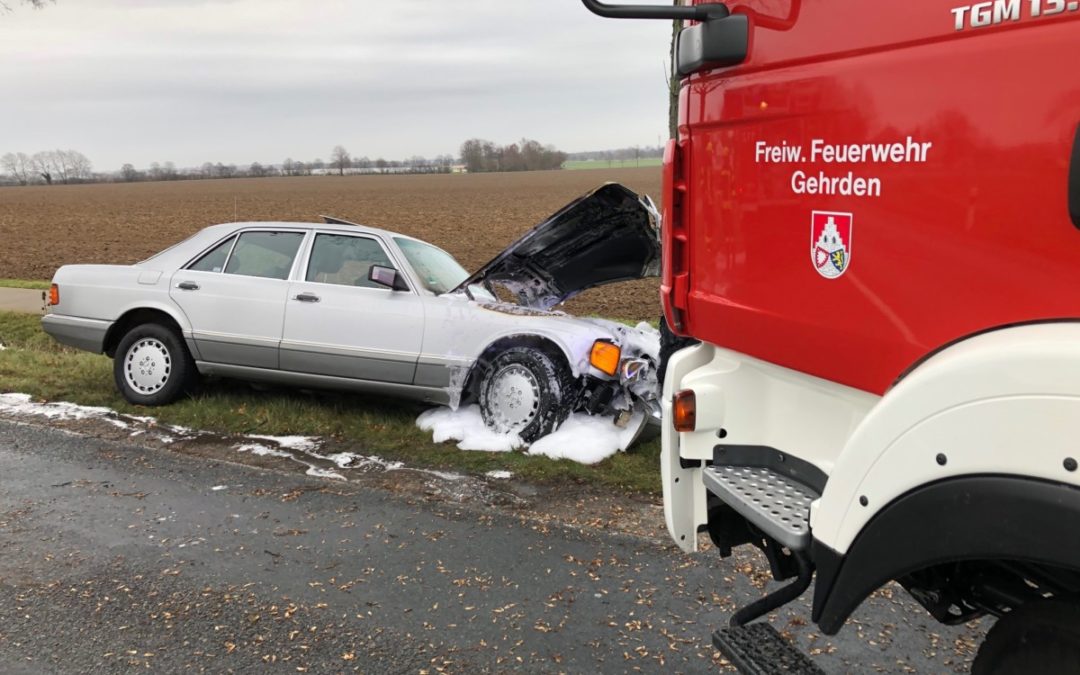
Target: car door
[[234, 296], [339, 323]]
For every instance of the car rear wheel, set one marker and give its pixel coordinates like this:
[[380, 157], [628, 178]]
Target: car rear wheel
[[1040, 637], [152, 365], [524, 391]]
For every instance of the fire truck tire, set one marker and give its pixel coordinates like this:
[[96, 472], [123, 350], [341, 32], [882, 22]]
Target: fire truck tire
[[1040, 637], [669, 344]]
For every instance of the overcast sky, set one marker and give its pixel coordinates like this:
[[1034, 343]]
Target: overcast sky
[[237, 81]]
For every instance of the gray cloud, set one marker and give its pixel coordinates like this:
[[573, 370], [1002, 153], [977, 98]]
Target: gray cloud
[[243, 80]]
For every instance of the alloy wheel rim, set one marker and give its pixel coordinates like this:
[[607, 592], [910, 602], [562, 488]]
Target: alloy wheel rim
[[515, 398], [147, 366]]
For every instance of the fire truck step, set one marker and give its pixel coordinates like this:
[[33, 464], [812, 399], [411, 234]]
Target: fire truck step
[[777, 505], [758, 649]]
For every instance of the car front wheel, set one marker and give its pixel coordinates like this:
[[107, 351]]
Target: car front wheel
[[152, 365], [524, 391]]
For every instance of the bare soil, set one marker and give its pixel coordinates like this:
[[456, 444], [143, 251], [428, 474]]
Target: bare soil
[[474, 217]]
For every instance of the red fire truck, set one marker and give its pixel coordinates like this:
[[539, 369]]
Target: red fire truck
[[871, 223]]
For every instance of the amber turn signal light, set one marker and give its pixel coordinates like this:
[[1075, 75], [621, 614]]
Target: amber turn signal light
[[685, 410], [605, 357], [54, 295]]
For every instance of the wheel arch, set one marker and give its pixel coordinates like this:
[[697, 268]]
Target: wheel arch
[[1000, 403], [543, 343], [140, 315], [984, 517]]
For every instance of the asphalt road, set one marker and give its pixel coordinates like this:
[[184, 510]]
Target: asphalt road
[[116, 557]]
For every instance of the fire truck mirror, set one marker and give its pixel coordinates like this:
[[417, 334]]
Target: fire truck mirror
[[713, 43]]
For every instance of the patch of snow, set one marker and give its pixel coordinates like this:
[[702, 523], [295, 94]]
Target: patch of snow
[[60, 410], [349, 460], [324, 473], [2, 347], [500, 474], [261, 450], [217, 488], [300, 443], [587, 439], [466, 426]]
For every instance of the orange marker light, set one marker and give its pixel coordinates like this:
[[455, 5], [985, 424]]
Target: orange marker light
[[605, 357], [54, 295], [685, 410]]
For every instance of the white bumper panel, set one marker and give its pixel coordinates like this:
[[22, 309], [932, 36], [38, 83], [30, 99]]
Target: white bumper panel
[[755, 404]]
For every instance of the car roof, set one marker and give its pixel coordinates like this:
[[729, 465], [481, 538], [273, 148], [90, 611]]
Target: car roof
[[332, 227]]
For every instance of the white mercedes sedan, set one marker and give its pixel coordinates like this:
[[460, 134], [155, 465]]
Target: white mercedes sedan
[[343, 306]]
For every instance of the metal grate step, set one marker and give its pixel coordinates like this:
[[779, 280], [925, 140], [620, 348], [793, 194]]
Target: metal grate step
[[758, 649], [777, 505]]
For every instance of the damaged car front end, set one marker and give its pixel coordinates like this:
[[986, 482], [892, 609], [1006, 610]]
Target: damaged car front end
[[607, 236]]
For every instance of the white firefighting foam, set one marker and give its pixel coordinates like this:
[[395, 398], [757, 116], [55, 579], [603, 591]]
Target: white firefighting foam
[[583, 438]]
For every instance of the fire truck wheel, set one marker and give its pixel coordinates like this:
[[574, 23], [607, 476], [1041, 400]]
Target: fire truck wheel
[[669, 344], [1039, 637]]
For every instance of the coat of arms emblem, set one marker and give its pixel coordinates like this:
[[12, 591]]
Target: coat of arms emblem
[[830, 242]]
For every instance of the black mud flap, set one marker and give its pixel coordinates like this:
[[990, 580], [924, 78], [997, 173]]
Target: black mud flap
[[759, 649]]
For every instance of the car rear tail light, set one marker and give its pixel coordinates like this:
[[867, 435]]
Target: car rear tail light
[[54, 295], [605, 357], [685, 410]]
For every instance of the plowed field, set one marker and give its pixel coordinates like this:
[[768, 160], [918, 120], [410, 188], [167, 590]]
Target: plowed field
[[472, 216]]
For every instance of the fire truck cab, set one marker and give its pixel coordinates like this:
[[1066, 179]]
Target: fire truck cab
[[871, 224]]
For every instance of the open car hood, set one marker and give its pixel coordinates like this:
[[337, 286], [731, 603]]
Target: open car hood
[[609, 235]]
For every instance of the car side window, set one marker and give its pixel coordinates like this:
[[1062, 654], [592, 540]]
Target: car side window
[[264, 254], [345, 260], [214, 259]]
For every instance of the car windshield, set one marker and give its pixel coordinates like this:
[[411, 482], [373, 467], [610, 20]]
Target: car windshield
[[437, 269]]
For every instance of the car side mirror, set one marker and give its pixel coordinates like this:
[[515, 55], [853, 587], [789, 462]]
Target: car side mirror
[[387, 276]]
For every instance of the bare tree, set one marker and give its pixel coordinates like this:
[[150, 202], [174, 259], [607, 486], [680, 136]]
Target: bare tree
[[339, 159], [78, 165], [287, 166], [129, 173], [42, 166], [20, 166]]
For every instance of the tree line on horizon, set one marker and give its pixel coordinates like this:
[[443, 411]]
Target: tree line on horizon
[[481, 156], [477, 156], [47, 166]]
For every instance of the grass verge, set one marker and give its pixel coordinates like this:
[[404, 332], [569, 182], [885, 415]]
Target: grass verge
[[33, 364], [25, 283]]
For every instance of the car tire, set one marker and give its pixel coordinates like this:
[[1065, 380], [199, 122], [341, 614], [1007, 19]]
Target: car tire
[[152, 365], [669, 344], [1040, 637], [525, 391]]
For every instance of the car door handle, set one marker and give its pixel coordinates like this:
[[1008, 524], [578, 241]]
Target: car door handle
[[188, 286], [307, 297]]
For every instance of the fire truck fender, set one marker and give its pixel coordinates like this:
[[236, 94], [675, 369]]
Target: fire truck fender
[[1004, 403], [968, 518]]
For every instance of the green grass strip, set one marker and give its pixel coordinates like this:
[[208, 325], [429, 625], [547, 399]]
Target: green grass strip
[[25, 283], [33, 364]]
